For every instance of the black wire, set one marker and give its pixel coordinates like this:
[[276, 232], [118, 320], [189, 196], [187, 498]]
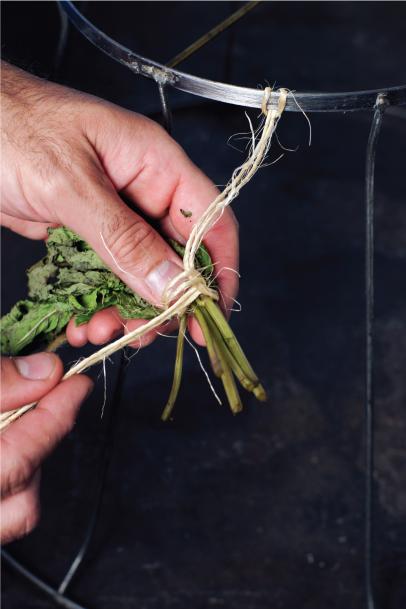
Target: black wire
[[381, 103], [107, 450], [165, 109], [60, 599]]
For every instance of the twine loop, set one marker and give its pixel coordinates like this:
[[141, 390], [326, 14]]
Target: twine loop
[[188, 281], [266, 101]]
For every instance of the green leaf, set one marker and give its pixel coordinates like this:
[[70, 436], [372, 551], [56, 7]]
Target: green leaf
[[203, 261], [28, 322], [73, 281]]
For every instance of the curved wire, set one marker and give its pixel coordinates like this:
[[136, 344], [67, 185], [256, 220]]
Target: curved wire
[[230, 94], [56, 596], [165, 108], [380, 106], [105, 458]]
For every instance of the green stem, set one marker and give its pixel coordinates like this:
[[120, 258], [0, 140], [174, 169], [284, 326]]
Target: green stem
[[218, 359], [198, 312], [233, 345], [177, 374], [236, 368], [228, 380], [57, 342]]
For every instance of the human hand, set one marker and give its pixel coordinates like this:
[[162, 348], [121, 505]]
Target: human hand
[[30, 439], [66, 155]]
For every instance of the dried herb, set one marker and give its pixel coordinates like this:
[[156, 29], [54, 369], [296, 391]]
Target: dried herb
[[72, 281]]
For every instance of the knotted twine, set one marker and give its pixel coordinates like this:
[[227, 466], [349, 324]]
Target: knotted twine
[[182, 291]]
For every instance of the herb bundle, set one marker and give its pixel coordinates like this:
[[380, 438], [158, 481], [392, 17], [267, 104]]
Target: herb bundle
[[72, 281]]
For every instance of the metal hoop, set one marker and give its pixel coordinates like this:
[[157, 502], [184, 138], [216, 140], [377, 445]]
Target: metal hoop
[[229, 94]]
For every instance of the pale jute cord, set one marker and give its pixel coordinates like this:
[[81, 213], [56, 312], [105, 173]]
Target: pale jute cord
[[184, 289]]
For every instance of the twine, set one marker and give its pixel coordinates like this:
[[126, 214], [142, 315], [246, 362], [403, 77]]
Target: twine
[[181, 292]]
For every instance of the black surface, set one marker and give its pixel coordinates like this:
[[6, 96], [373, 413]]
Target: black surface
[[264, 509]]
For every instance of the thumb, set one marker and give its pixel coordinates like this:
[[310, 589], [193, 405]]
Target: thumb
[[124, 240], [27, 379]]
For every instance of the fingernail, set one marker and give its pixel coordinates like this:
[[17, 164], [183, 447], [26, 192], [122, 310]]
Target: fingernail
[[36, 367], [158, 279]]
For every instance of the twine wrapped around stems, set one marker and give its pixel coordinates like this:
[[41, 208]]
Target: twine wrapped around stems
[[181, 292]]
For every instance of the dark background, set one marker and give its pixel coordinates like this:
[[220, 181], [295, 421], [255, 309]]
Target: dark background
[[264, 509]]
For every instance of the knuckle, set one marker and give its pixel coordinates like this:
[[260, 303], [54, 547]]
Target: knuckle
[[25, 469], [15, 468], [22, 514], [132, 243]]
